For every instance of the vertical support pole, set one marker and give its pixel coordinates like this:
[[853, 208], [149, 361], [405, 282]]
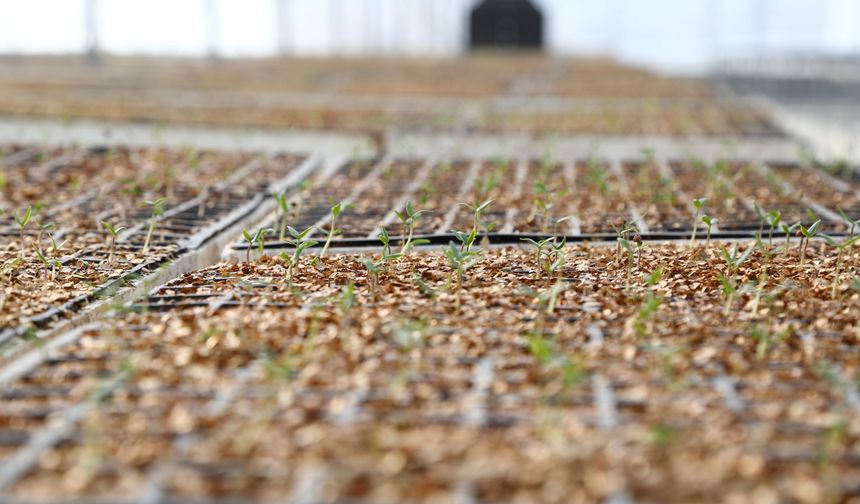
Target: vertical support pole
[[210, 19], [91, 31], [284, 20]]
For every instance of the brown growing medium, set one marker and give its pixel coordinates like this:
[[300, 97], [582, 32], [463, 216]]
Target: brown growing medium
[[30, 288], [245, 387], [76, 189], [590, 96], [658, 198]]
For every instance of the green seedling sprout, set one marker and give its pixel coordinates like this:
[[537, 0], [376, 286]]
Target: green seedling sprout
[[461, 260], [789, 231], [840, 247], [374, 268], [42, 229], [22, 220], [423, 287], [408, 217], [762, 217], [765, 341], [805, 235], [650, 304], [631, 252], [698, 204], [282, 212], [258, 239], [766, 257], [466, 239], [539, 246], [157, 210], [113, 232], [347, 302], [546, 300], [42, 259], [385, 238], [477, 210], [734, 260], [709, 221], [854, 224], [774, 218], [549, 254], [8, 267], [597, 176], [299, 240], [541, 348], [622, 231], [336, 210], [555, 258]]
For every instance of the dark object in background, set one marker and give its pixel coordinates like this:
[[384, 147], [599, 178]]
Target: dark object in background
[[506, 24]]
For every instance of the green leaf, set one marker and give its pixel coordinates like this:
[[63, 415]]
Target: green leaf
[[830, 240], [25, 219], [813, 229], [483, 206]]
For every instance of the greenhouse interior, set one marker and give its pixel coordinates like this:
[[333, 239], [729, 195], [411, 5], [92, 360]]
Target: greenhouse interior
[[429, 251]]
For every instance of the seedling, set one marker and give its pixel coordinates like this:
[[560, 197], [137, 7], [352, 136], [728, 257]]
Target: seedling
[[9, 266], [282, 211], [774, 218], [734, 260], [300, 243], [477, 210], [650, 304], [840, 247], [113, 232], [765, 341], [42, 229], [597, 176], [385, 238], [854, 224], [466, 239], [622, 231], [547, 301], [550, 260], [304, 186], [157, 210], [805, 235], [698, 204], [42, 259], [22, 221], [539, 246], [631, 252], [258, 239], [541, 348], [423, 286], [336, 210], [762, 217], [710, 222], [408, 217], [789, 231], [461, 260], [374, 268]]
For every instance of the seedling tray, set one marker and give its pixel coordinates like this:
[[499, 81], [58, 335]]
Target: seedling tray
[[230, 383], [583, 200], [195, 211]]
